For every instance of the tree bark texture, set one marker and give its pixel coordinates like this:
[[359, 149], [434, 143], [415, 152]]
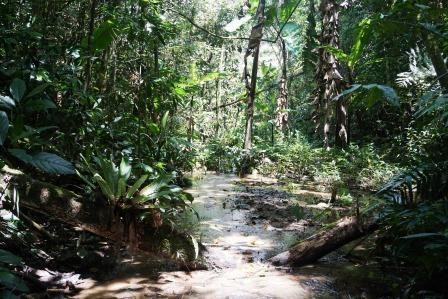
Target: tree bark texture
[[329, 78]]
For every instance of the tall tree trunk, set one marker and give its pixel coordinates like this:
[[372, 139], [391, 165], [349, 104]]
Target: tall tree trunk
[[191, 121], [437, 61], [219, 87], [309, 58], [282, 100], [332, 78], [254, 50], [88, 71]]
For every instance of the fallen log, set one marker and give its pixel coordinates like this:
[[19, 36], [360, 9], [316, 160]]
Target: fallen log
[[344, 231], [95, 216]]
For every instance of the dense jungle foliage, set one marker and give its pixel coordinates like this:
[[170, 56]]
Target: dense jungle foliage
[[119, 102]]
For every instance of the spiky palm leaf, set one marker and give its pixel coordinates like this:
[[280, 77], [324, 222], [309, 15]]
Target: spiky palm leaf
[[427, 182]]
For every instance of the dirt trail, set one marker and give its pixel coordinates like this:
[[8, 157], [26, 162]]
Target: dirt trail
[[238, 244]]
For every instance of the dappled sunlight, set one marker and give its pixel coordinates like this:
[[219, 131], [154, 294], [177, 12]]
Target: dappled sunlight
[[236, 251]]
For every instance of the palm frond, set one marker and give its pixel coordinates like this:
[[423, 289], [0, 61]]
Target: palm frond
[[427, 182]]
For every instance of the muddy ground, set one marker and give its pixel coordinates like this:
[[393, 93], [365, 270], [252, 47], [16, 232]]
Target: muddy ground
[[243, 222]]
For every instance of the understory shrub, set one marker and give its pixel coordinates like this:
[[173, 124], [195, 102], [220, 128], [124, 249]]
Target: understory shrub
[[356, 167], [418, 235]]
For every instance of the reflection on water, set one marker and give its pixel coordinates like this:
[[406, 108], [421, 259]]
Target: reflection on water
[[236, 251]]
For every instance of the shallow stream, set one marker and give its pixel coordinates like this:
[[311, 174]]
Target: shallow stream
[[237, 252]]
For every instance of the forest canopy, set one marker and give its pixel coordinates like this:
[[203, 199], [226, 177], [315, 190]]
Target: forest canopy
[[111, 110]]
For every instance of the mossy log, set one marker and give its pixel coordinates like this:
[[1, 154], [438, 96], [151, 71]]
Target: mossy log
[[344, 231]]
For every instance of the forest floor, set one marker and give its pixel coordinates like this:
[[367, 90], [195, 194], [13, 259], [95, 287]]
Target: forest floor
[[243, 222]]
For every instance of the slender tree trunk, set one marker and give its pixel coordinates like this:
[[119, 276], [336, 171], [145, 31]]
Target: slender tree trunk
[[219, 87], [437, 61], [254, 49], [88, 71], [309, 58], [191, 121], [282, 100]]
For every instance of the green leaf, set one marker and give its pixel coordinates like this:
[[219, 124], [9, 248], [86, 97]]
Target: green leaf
[[136, 186], [17, 89], [104, 35], [21, 154], [125, 169], [39, 105], [6, 102], [165, 120], [52, 163], [362, 38], [105, 188], [9, 258], [422, 235], [387, 91], [121, 188], [84, 179], [377, 91], [195, 246], [338, 53], [286, 9], [353, 88], [39, 89], [11, 281], [210, 77], [180, 91], [4, 126], [47, 162]]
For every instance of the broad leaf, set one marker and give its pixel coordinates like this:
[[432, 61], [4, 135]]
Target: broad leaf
[[165, 120], [422, 235], [121, 188], [105, 188], [136, 186], [21, 154], [4, 126], [52, 163], [364, 32], [17, 89], [39, 105], [9, 258], [377, 89], [11, 281], [195, 246], [104, 34], [125, 169], [39, 89], [46, 162], [338, 53], [7, 103]]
